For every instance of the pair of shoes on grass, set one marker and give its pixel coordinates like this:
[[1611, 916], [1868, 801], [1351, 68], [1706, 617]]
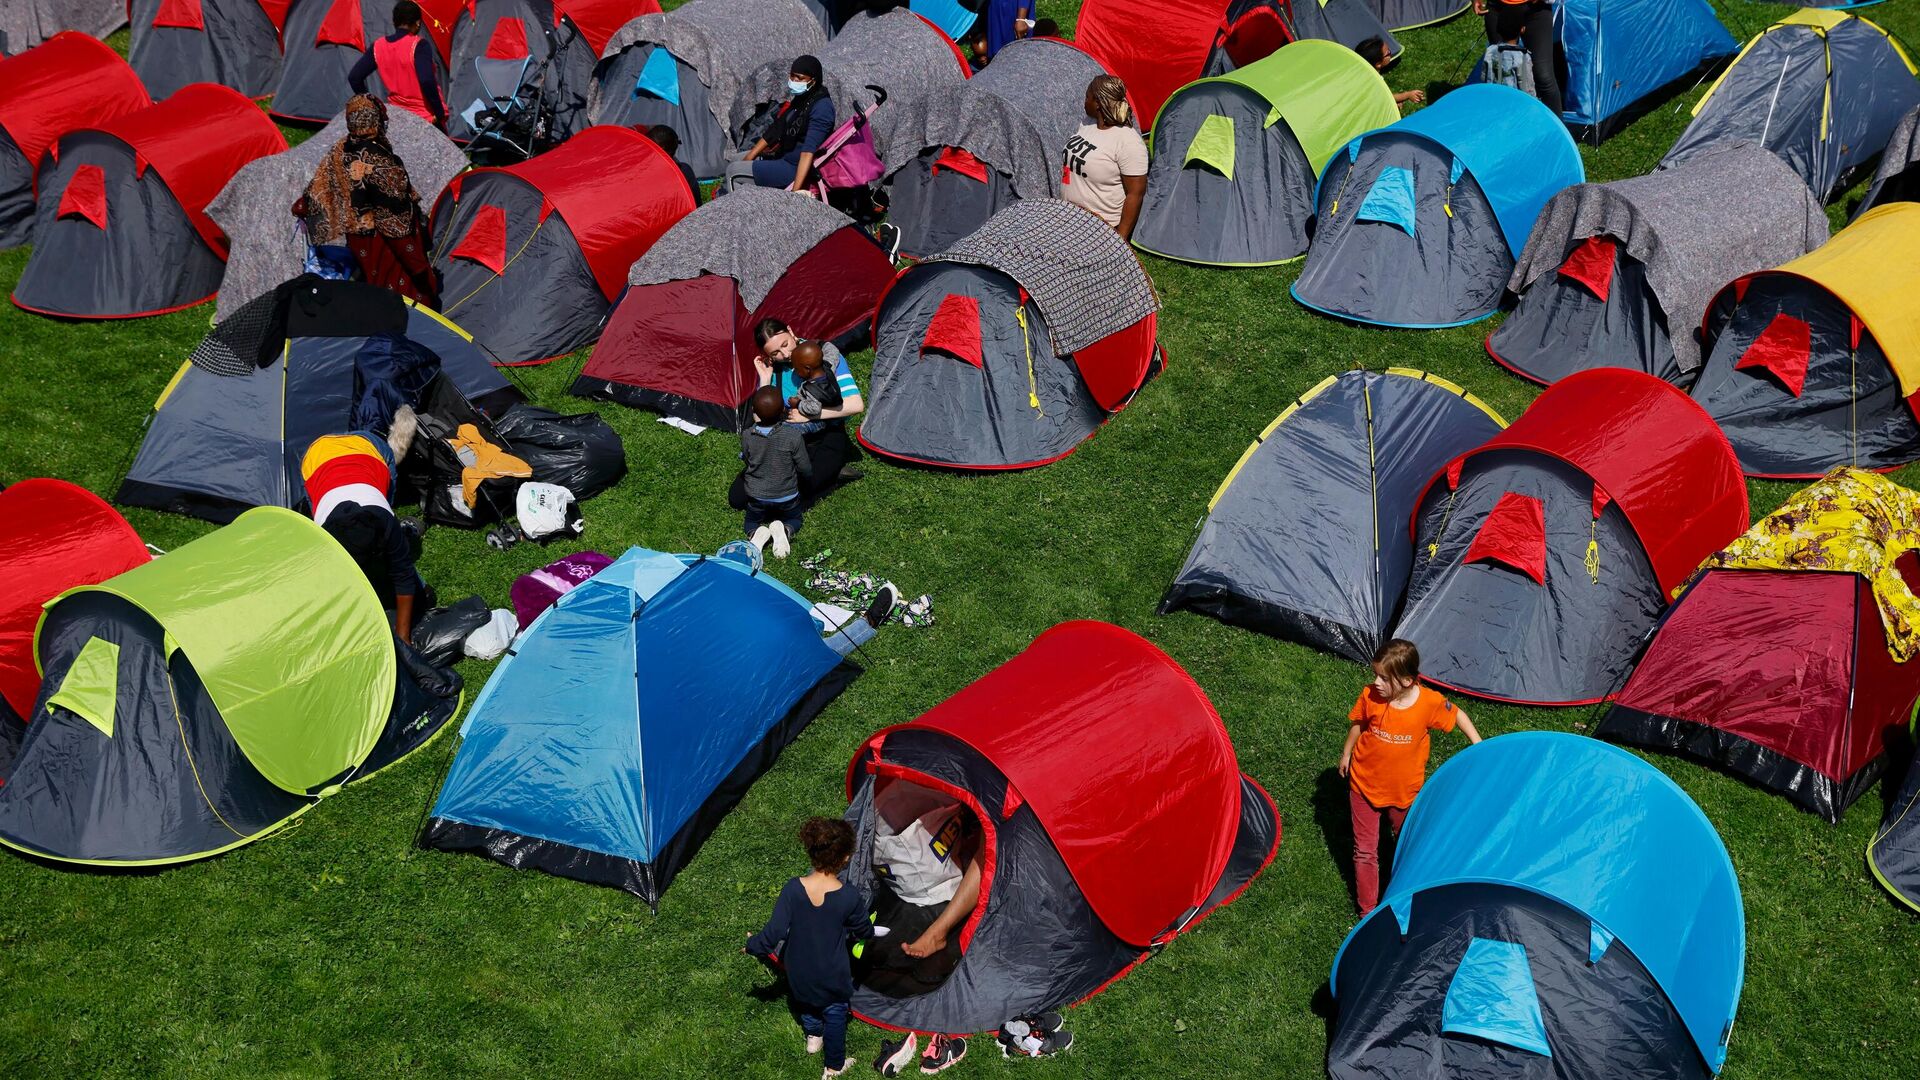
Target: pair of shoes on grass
[[1034, 1036], [942, 1053], [776, 534]]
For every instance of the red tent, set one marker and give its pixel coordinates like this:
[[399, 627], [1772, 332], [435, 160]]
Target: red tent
[[71, 81], [599, 20], [54, 536], [1156, 46], [1086, 758]]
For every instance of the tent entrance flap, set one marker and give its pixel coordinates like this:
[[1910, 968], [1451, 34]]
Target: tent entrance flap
[[1591, 264], [1492, 997], [1515, 536], [1782, 350], [91, 684], [1213, 145], [1391, 199]]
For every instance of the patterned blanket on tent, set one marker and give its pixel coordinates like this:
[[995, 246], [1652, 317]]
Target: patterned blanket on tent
[[752, 236], [1851, 521], [1084, 278]]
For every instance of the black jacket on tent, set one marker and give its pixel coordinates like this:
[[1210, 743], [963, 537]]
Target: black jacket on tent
[[235, 43], [218, 444], [1303, 539], [1822, 89]]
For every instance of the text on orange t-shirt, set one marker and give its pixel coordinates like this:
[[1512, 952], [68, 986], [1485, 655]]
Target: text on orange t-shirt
[[1390, 760]]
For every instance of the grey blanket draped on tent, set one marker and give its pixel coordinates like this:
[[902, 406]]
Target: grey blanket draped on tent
[[898, 51], [753, 235]]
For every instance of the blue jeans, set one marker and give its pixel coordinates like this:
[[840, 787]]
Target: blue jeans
[[856, 632], [759, 513], [827, 1022]]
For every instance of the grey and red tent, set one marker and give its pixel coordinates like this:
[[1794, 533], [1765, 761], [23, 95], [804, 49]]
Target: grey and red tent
[[71, 81], [1079, 756], [953, 160], [689, 69], [127, 198], [54, 536], [1302, 541], [1159, 46], [1777, 664], [680, 340], [1619, 274], [1010, 348], [235, 43], [565, 35], [1816, 363], [1543, 557], [532, 256], [325, 38]]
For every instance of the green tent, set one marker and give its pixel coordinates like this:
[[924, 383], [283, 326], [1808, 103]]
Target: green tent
[[203, 700], [1235, 157]]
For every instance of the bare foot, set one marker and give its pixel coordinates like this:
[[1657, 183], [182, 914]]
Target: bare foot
[[926, 945]]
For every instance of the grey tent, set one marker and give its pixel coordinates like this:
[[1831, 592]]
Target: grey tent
[[1413, 14], [499, 47], [253, 208], [1816, 363], [1894, 853], [26, 23], [1418, 223], [1898, 177], [953, 160], [688, 69], [325, 38], [1822, 89], [1619, 274], [121, 229], [1235, 157], [1010, 348], [1305, 539], [68, 83], [1543, 557], [218, 444], [899, 51], [235, 43]]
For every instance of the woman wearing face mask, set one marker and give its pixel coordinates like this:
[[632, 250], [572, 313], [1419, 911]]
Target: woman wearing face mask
[[783, 157]]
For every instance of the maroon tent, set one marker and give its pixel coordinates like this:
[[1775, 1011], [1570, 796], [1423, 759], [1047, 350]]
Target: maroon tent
[[71, 81], [680, 341]]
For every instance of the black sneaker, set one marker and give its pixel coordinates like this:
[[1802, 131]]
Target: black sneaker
[[882, 607], [942, 1054], [1017, 1039], [895, 1055], [848, 474]]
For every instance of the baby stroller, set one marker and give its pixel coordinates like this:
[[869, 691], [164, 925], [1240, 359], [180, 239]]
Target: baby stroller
[[847, 171]]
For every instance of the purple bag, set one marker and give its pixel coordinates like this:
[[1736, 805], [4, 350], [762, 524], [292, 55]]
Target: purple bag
[[534, 593]]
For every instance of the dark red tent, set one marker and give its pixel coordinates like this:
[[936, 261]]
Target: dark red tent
[[1086, 757], [532, 255], [1544, 556], [54, 536], [129, 197], [680, 340], [70, 81]]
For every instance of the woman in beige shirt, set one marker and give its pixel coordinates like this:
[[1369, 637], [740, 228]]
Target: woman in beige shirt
[[1105, 165]]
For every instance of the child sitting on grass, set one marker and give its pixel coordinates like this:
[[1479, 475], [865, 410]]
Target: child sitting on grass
[[815, 923], [1385, 757], [776, 460]]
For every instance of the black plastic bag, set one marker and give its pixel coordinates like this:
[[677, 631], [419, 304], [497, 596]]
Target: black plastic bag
[[580, 452], [440, 634]]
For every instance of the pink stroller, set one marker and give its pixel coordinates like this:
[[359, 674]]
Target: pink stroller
[[847, 169]]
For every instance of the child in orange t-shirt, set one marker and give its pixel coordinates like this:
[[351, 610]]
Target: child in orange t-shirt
[[1385, 757]]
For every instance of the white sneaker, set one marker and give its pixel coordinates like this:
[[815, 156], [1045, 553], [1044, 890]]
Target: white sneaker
[[760, 537], [829, 1074], [781, 547], [815, 1043]]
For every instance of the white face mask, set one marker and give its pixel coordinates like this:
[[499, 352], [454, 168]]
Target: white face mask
[[798, 86]]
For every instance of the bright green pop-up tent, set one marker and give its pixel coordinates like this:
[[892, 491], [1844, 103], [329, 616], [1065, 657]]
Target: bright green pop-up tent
[[1235, 157], [205, 699]]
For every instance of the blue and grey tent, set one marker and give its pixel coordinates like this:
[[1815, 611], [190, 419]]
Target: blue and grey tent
[[1419, 222], [631, 717], [1305, 538], [1558, 908], [1822, 89], [1620, 52]]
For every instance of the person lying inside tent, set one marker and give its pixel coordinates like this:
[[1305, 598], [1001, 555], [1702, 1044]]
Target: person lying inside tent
[[363, 215], [825, 430], [404, 60], [783, 157], [350, 482], [926, 854], [669, 140], [1374, 51]]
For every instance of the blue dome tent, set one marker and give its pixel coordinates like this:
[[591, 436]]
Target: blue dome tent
[[1419, 221], [1552, 896], [631, 717]]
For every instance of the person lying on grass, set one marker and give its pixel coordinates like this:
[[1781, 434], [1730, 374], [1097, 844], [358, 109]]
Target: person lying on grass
[[815, 923], [1385, 756]]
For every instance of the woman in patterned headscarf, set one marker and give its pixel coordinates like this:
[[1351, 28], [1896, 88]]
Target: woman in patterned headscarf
[[362, 202]]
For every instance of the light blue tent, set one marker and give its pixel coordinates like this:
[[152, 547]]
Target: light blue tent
[[1551, 895], [1418, 222], [631, 717]]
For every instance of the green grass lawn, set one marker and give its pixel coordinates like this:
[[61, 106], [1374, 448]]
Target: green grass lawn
[[337, 949]]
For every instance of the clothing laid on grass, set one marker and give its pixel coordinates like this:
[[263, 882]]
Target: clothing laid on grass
[[1095, 160]]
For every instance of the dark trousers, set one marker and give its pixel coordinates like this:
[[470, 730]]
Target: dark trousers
[[1532, 23], [759, 513], [828, 1023], [827, 451]]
